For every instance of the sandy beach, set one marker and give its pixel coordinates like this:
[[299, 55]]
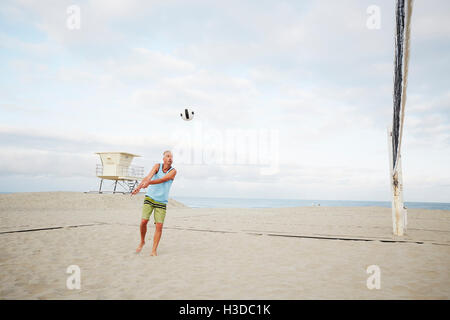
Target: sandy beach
[[285, 253]]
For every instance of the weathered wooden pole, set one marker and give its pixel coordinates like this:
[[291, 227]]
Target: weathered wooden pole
[[401, 61], [399, 212]]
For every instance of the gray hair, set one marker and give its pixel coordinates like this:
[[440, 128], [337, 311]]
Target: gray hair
[[164, 153]]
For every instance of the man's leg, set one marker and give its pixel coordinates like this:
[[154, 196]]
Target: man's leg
[[157, 237], [146, 212], [160, 214], [143, 229]]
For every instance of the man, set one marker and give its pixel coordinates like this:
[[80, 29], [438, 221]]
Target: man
[[156, 198]]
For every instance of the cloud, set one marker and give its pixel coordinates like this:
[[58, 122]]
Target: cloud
[[312, 71], [78, 141], [429, 22], [36, 162]]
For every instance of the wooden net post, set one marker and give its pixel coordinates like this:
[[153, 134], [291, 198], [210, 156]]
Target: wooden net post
[[399, 213]]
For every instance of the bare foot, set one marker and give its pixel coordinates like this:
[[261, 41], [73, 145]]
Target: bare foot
[[154, 253], [140, 247]]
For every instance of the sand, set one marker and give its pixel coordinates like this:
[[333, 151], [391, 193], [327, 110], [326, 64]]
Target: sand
[[286, 253]]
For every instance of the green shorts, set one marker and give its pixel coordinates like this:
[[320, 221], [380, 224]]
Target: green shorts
[[149, 206]]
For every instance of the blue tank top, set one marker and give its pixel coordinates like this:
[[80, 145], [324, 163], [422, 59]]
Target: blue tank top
[[160, 192]]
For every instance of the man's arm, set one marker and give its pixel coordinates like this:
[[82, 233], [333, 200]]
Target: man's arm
[[169, 176], [145, 182]]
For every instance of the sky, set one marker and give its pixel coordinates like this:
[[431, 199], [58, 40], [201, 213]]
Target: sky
[[292, 99]]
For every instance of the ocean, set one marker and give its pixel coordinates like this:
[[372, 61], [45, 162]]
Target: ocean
[[203, 202], [206, 202]]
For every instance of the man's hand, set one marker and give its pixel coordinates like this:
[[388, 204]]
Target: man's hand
[[144, 183], [135, 191]]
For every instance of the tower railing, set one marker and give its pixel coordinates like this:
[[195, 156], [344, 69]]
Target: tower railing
[[123, 171]]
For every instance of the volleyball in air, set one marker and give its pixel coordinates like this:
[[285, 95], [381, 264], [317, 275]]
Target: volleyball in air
[[187, 115]]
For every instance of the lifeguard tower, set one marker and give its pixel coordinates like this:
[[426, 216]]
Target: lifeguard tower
[[117, 166]]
